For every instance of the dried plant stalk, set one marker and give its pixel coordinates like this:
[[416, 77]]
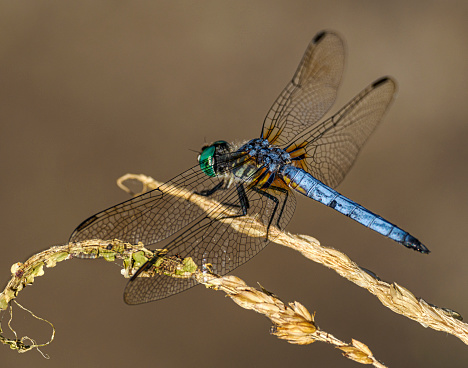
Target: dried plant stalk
[[391, 295], [292, 322]]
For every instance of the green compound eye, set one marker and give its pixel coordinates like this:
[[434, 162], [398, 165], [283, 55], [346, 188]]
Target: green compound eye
[[206, 160]]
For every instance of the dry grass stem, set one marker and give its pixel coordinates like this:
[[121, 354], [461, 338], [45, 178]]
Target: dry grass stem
[[391, 295], [292, 322]]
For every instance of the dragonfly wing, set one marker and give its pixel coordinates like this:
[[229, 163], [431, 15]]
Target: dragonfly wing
[[145, 290], [311, 92], [330, 148], [150, 217], [219, 239]]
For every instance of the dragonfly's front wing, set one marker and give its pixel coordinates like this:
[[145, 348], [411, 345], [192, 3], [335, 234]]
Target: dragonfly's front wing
[[228, 234]]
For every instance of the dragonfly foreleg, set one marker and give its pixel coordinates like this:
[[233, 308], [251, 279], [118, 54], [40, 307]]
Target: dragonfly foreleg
[[208, 192], [243, 200]]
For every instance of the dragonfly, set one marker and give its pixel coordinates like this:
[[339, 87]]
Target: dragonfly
[[297, 151]]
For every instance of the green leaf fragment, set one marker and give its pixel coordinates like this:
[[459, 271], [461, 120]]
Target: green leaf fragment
[[117, 248], [4, 300], [55, 258], [159, 261], [108, 255], [139, 259], [188, 266], [126, 263], [35, 272]]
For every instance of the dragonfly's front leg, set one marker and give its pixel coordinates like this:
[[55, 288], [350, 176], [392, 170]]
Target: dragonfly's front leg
[[208, 192], [243, 200]]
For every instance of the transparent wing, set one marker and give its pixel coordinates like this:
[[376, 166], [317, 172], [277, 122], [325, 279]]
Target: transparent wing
[[329, 149], [311, 92], [211, 241], [185, 229], [150, 217]]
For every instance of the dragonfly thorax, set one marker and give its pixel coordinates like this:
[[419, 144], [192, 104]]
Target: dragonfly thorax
[[266, 155], [219, 158]]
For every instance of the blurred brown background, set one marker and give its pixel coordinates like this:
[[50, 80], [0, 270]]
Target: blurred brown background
[[91, 90]]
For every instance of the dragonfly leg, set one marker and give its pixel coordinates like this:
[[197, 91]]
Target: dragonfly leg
[[243, 200], [243, 205], [208, 192], [286, 193], [276, 200]]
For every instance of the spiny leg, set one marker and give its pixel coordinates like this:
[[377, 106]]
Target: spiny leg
[[276, 201], [286, 193], [244, 204], [208, 192]]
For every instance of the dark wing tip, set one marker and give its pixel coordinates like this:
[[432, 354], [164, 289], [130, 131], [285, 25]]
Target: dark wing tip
[[319, 36], [83, 225], [380, 81]]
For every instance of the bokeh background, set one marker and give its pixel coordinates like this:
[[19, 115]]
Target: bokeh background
[[91, 90]]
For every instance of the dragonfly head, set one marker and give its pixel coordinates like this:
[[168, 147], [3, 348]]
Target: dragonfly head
[[209, 154]]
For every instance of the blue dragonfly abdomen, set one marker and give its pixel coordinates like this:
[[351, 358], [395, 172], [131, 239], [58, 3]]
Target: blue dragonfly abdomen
[[304, 183]]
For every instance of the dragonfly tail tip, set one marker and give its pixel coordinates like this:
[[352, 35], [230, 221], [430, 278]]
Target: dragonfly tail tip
[[413, 243]]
